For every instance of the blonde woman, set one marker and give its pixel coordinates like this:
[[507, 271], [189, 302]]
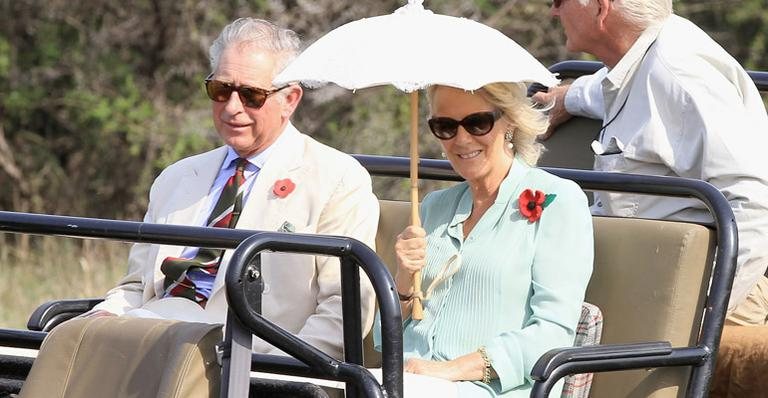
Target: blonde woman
[[505, 256]]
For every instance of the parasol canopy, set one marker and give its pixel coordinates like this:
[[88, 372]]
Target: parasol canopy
[[411, 49]]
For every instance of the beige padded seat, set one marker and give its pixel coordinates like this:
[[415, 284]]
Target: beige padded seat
[[394, 216], [126, 357], [570, 145], [650, 281]]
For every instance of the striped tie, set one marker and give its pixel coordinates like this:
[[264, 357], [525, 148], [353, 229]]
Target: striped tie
[[205, 264]]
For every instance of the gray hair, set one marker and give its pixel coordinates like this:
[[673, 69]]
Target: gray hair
[[529, 120], [260, 33], [641, 13]]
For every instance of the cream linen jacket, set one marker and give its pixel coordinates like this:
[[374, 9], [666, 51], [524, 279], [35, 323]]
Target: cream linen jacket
[[333, 196]]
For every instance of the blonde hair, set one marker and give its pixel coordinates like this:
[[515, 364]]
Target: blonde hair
[[529, 120]]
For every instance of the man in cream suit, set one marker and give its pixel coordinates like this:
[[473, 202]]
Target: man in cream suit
[[292, 183]]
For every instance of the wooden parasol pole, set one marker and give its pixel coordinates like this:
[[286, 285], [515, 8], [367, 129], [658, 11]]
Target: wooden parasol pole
[[417, 309]]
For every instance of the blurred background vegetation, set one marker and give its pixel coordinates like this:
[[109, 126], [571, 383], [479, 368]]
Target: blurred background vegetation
[[97, 96]]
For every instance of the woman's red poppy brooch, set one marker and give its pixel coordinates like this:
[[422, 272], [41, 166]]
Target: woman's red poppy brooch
[[283, 187], [533, 204]]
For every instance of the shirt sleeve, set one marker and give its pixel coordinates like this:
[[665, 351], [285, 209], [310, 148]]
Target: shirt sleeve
[[585, 96], [561, 269]]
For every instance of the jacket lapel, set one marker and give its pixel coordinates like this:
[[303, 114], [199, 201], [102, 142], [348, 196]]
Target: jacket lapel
[[264, 211], [264, 208], [193, 188]]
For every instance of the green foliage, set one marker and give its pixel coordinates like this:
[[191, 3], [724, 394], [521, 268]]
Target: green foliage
[[96, 97], [5, 57]]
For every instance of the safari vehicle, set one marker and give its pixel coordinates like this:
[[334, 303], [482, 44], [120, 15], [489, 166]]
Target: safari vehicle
[[662, 286]]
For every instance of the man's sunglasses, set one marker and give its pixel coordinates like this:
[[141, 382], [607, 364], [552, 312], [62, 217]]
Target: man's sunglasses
[[477, 124], [252, 97]]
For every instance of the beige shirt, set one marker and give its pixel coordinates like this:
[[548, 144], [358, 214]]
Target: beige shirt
[[689, 110]]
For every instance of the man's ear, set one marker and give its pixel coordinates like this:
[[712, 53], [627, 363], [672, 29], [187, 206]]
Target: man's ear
[[291, 99], [604, 8]]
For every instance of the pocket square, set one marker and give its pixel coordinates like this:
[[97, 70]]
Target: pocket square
[[287, 227]]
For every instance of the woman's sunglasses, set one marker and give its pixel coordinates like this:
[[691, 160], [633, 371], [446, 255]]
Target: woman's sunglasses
[[477, 124], [251, 97]]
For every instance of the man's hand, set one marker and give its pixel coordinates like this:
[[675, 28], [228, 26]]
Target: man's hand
[[557, 114]]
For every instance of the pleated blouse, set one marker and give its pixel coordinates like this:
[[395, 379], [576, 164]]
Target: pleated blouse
[[518, 285]]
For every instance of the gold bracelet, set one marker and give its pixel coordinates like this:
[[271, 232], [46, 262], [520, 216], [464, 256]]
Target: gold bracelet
[[487, 365]]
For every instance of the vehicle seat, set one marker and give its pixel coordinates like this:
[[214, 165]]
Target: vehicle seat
[[126, 357], [569, 146]]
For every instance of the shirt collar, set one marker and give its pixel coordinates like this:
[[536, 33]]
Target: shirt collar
[[618, 75]]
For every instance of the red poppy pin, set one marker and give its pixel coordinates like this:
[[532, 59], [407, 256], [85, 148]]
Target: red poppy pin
[[533, 204], [283, 187]]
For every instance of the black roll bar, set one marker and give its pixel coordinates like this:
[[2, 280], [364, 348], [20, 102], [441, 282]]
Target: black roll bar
[[351, 252], [222, 238], [701, 357]]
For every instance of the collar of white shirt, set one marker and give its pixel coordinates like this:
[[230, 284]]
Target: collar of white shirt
[[618, 78]]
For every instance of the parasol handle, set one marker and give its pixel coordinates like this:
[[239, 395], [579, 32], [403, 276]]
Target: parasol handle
[[417, 310]]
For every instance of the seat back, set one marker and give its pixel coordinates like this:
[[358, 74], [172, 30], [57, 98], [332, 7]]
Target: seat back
[[394, 216], [650, 281], [569, 146], [126, 357]]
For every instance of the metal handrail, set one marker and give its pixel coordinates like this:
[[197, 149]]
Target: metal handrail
[[724, 223], [715, 305], [223, 238], [347, 249]]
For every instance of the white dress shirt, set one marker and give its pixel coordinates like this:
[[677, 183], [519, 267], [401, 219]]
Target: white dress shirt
[[682, 106]]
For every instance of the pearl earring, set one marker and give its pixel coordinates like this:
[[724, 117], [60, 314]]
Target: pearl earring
[[508, 137], [443, 155]]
